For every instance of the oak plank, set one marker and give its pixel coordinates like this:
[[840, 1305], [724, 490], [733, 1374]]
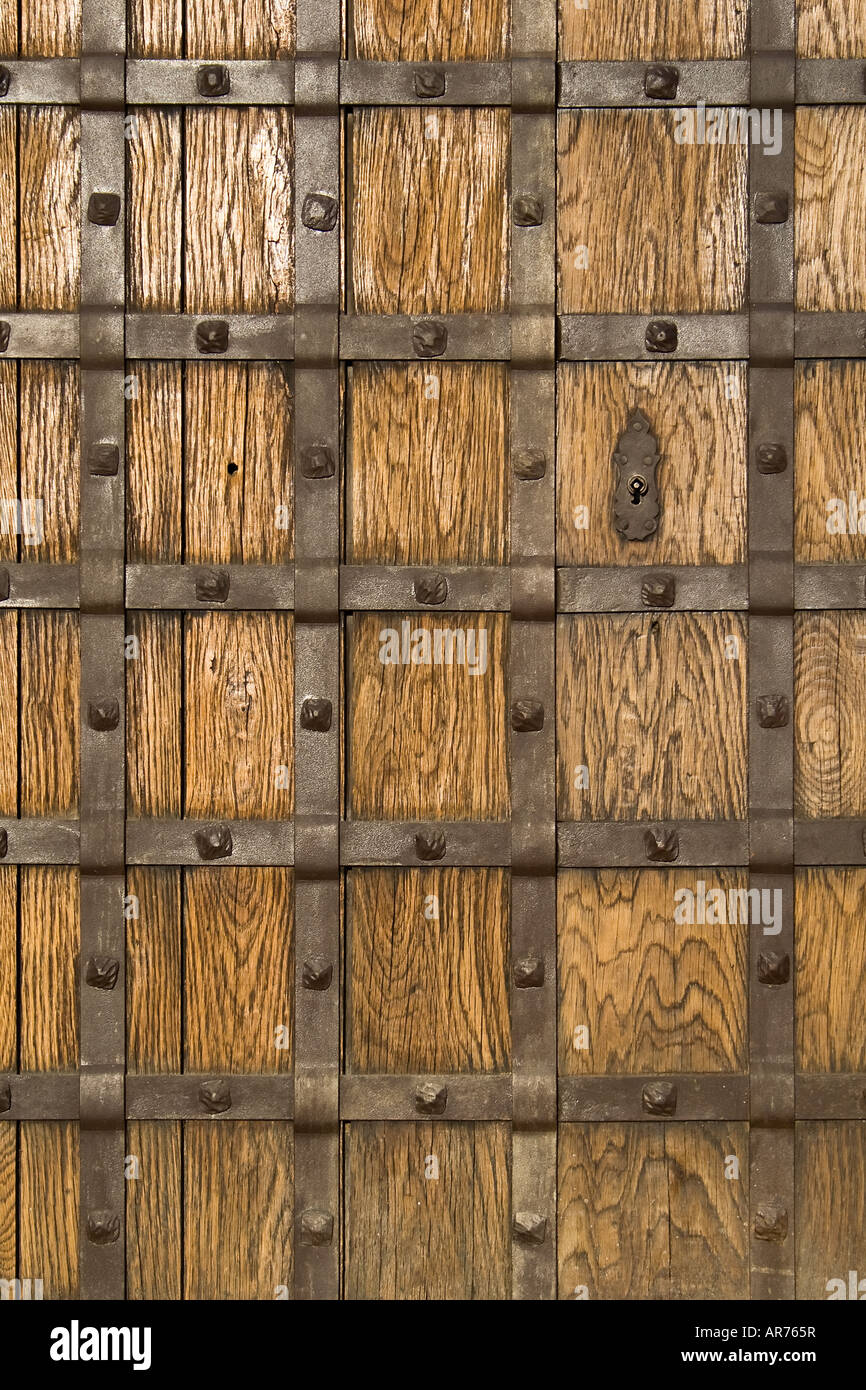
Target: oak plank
[[50, 458], [831, 29], [49, 209], [428, 994], [829, 443], [48, 1205], [388, 31], [49, 684], [8, 713], [154, 465], [708, 1211], [831, 970], [429, 471], [154, 1239], [429, 741], [620, 174], [9, 545], [8, 214], [829, 714], [607, 29], [240, 28], [831, 1198], [698, 413], [153, 971], [238, 969], [410, 1237], [238, 228], [153, 719], [238, 1219], [8, 971], [447, 171], [830, 220], [9, 28], [51, 30], [155, 28], [8, 1194], [655, 711], [154, 228], [48, 1025], [238, 702], [655, 995]]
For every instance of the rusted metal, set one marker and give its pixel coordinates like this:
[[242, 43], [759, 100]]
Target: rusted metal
[[636, 505], [617, 1099]]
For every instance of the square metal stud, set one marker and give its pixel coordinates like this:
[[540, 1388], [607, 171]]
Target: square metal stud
[[660, 82], [528, 210], [317, 973], [771, 208], [103, 209], [316, 716], [317, 1227], [319, 212], [661, 336], [771, 458], [659, 1098], [103, 715], [103, 459], [530, 465], [215, 1096], [527, 716], [431, 1098], [317, 461], [773, 711], [429, 338], [5, 331], [658, 591], [528, 973], [214, 842], [4, 585], [430, 589], [213, 80], [212, 586], [429, 82], [212, 335], [5, 80]]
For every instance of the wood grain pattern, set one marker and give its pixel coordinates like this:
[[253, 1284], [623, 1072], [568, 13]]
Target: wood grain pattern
[[8, 208], [699, 414], [428, 994], [155, 28], [238, 227], [8, 435], [8, 27], [621, 175], [652, 707], [429, 472], [49, 210], [447, 170], [831, 970], [451, 30], [153, 716], [154, 465], [831, 29], [830, 221], [238, 1194], [48, 1026], [645, 1211], [238, 702], [48, 1206], [8, 713], [49, 683], [49, 30], [8, 972], [607, 29], [429, 741], [154, 221], [829, 714], [153, 971], [657, 995], [50, 457], [238, 969], [8, 1194], [154, 1240], [829, 444], [831, 1198], [240, 28], [416, 1238]]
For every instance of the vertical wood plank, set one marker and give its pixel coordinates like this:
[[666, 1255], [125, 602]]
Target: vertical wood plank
[[240, 28], [8, 210], [238, 1194], [428, 994], [155, 28], [8, 27], [48, 1028], [154, 1239], [49, 677], [645, 29], [709, 1212], [50, 30], [153, 723], [388, 31], [8, 432], [154, 465], [154, 224], [48, 1206], [830, 221], [50, 457], [153, 971], [830, 440], [49, 210], [831, 970], [830, 714], [831, 29], [8, 968], [8, 713], [8, 1193], [831, 1198]]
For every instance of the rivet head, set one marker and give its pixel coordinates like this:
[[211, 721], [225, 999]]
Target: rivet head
[[429, 338], [527, 716], [659, 1098], [430, 589], [5, 1097], [773, 711], [660, 82], [658, 591], [319, 212], [431, 1098], [103, 715], [317, 973], [771, 1221], [103, 209], [5, 585], [103, 459], [215, 1096], [771, 208], [529, 973], [316, 716], [212, 586], [213, 80], [5, 80], [429, 82], [772, 458], [317, 1227], [661, 336], [774, 968], [529, 1227], [103, 1227], [4, 843], [530, 465], [213, 842], [662, 846], [528, 210], [5, 330], [101, 972], [430, 844], [317, 461], [212, 335]]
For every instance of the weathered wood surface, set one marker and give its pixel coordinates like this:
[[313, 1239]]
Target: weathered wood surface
[[154, 1211], [153, 716], [829, 714], [831, 29], [49, 679], [48, 1205], [830, 221], [48, 1035], [212, 28], [40, 29], [831, 1198], [831, 970], [153, 971], [830, 443], [645, 29], [449, 30]]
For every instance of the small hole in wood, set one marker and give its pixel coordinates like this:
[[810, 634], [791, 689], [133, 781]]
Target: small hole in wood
[[232, 468]]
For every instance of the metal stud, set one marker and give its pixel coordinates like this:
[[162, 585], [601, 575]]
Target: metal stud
[[317, 973], [5, 586], [773, 711], [103, 459], [659, 1098], [5, 331], [430, 845], [4, 843], [430, 589], [528, 210], [316, 716], [317, 1227], [772, 458], [317, 461], [5, 1097], [215, 1096], [660, 82], [661, 336], [771, 1221], [103, 715], [103, 209], [103, 1227], [429, 338], [774, 968], [530, 465], [662, 846], [528, 973], [529, 1227], [212, 335], [527, 716], [213, 80], [429, 82], [431, 1098], [319, 212], [771, 208], [5, 80], [213, 842], [212, 586], [101, 972], [658, 591]]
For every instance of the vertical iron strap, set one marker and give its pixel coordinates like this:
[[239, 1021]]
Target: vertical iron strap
[[771, 641], [101, 552], [533, 628], [318, 240]]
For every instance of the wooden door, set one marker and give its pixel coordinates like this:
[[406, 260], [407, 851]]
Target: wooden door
[[432, 588]]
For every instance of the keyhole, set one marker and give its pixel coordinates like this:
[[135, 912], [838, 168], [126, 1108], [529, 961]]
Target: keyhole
[[637, 486]]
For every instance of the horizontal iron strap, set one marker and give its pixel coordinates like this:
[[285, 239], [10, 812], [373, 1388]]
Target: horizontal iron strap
[[428, 1097], [364, 83], [41, 81], [695, 1096], [474, 843], [39, 1096], [623, 337], [246, 587], [717, 82], [821, 81], [828, 1096], [209, 1096], [386, 588], [33, 840], [829, 335], [217, 842], [175, 82], [830, 586], [211, 337], [399, 337], [658, 844], [38, 335], [38, 585], [619, 589], [829, 841]]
